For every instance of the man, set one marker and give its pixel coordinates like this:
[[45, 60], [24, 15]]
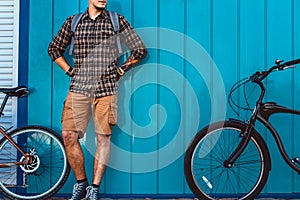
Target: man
[[93, 87]]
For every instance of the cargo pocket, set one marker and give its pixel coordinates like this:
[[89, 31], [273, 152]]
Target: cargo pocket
[[67, 109], [113, 111], [63, 112]]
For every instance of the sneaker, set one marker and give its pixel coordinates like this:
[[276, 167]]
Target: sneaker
[[79, 191], [92, 193]]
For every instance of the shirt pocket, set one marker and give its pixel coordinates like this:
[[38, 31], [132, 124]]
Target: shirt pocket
[[105, 35]]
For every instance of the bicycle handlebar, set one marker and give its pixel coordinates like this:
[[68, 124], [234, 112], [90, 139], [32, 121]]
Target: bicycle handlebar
[[261, 75], [292, 62], [257, 78]]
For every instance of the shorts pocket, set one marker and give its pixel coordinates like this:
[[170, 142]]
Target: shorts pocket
[[113, 115], [63, 112]]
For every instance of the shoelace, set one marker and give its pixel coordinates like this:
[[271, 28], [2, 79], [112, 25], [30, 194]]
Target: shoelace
[[92, 193], [77, 190]]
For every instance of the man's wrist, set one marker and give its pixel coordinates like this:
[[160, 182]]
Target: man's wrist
[[123, 68], [126, 66], [69, 71]]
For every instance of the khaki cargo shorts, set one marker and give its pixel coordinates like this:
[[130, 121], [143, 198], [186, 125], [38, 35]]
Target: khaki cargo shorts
[[78, 109]]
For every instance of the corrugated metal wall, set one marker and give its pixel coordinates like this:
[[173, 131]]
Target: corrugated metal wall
[[168, 97]]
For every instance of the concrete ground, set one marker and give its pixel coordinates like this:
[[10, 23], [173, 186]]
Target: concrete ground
[[167, 199], [176, 199], [59, 198]]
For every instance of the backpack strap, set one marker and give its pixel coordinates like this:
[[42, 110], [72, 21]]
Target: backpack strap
[[74, 24], [115, 22]]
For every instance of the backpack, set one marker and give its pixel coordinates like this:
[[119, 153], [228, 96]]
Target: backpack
[[115, 22]]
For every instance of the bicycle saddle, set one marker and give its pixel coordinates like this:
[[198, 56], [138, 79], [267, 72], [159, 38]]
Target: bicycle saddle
[[15, 91]]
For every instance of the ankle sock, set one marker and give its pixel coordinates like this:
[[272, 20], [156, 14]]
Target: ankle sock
[[81, 181], [95, 186]]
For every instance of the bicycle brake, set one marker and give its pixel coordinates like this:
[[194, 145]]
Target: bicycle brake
[[296, 161]]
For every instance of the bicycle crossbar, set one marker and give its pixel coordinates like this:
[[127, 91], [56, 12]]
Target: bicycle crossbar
[[11, 164]]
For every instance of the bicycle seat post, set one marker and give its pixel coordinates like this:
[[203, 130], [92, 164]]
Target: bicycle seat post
[[3, 104]]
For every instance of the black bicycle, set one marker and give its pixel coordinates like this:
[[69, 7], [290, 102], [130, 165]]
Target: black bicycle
[[33, 161], [230, 159]]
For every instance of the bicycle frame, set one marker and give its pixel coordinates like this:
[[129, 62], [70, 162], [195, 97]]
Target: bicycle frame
[[19, 91], [262, 113], [268, 109], [9, 164]]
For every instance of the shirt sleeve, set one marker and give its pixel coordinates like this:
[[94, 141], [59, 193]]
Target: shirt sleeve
[[132, 40], [59, 43]]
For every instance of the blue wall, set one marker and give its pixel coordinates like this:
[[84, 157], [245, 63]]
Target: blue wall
[[23, 59], [177, 89]]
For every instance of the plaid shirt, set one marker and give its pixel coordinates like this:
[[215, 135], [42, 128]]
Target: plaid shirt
[[95, 52]]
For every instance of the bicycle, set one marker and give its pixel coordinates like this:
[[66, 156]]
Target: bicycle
[[230, 159], [33, 161]]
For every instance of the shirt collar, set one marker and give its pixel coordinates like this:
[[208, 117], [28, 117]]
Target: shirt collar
[[104, 14]]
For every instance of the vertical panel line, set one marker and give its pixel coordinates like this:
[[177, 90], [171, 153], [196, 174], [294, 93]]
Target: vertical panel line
[[52, 67], [239, 38], [266, 58], [22, 108], [158, 92], [132, 105], [238, 45], [184, 74], [211, 46], [292, 83]]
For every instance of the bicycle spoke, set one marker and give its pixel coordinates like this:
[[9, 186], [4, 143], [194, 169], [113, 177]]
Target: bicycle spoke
[[206, 157], [47, 172]]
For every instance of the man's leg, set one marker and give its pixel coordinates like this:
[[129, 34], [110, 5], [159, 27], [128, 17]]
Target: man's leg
[[75, 118], [102, 114], [103, 122], [101, 157], [74, 154], [76, 161], [100, 162]]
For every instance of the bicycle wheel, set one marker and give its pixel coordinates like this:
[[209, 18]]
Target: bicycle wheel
[[46, 174], [204, 168]]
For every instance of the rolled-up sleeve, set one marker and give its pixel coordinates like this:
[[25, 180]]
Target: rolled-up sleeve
[[132, 40], [59, 43]]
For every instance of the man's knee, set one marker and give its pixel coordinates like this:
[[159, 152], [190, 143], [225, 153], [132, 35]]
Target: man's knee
[[103, 140], [70, 137]]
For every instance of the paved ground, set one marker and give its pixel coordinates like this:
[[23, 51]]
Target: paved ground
[[176, 199], [169, 199], [57, 198]]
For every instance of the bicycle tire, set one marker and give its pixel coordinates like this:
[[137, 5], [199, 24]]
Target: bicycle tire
[[206, 174], [48, 171]]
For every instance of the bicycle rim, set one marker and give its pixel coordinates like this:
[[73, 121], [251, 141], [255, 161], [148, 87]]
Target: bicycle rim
[[45, 175], [211, 180]]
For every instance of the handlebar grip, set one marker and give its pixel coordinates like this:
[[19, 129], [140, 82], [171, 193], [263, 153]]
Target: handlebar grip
[[292, 62]]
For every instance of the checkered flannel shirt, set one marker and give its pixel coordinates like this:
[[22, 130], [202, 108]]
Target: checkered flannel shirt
[[95, 52]]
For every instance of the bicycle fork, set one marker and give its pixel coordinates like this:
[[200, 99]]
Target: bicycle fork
[[246, 136]]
